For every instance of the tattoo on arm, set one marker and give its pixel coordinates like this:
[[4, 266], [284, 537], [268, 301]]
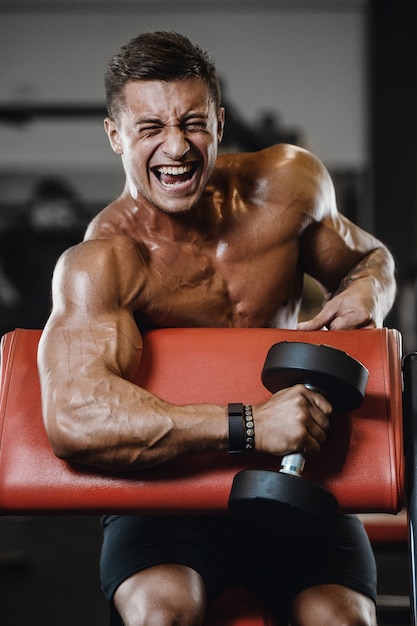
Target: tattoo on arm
[[358, 271]]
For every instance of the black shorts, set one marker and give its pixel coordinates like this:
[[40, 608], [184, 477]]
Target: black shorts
[[225, 551]]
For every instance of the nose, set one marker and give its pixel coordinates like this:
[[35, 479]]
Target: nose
[[175, 144]]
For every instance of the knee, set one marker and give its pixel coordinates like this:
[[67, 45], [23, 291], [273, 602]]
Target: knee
[[163, 597], [329, 605], [349, 617], [158, 616], [331, 616]]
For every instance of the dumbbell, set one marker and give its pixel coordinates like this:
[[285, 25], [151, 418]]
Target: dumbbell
[[284, 495]]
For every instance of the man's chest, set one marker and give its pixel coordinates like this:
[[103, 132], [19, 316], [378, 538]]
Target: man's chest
[[221, 286]]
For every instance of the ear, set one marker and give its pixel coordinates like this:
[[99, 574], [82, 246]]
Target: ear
[[113, 134], [220, 124]]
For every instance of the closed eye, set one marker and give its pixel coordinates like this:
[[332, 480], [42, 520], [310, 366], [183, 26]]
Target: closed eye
[[195, 126], [150, 128], [150, 131]]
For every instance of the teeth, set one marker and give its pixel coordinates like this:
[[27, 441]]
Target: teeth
[[175, 171]]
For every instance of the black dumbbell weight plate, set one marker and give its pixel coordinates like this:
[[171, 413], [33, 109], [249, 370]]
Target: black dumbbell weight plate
[[281, 498], [340, 377]]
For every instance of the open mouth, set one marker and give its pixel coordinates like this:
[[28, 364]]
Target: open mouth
[[175, 176]]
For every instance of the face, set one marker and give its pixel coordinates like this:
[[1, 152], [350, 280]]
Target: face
[[167, 136]]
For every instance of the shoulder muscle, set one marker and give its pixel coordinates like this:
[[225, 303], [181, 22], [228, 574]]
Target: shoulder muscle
[[103, 273]]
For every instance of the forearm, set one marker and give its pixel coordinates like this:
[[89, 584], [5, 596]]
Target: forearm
[[363, 297], [375, 276], [120, 426]]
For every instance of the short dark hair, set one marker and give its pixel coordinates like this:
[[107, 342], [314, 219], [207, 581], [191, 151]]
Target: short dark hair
[[159, 55]]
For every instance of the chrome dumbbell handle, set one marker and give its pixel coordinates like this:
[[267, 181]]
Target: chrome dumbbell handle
[[294, 463]]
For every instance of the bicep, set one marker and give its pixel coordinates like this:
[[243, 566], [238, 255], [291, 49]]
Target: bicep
[[92, 324]]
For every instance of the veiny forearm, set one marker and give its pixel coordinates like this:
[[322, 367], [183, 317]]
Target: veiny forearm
[[377, 269], [113, 424]]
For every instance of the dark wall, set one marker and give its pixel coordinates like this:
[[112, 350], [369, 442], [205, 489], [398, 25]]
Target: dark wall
[[393, 126]]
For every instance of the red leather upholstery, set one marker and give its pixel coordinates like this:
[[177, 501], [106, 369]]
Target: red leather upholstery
[[386, 529], [361, 462]]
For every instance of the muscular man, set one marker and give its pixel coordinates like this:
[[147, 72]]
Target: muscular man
[[197, 239]]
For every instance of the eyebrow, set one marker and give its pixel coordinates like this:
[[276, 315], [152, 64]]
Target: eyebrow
[[148, 120]]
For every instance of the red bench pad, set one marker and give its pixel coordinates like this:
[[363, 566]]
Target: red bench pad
[[361, 462]]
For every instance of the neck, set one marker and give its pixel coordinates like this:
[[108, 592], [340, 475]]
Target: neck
[[198, 221]]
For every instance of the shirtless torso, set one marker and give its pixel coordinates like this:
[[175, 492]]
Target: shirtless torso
[[195, 240], [239, 258]]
